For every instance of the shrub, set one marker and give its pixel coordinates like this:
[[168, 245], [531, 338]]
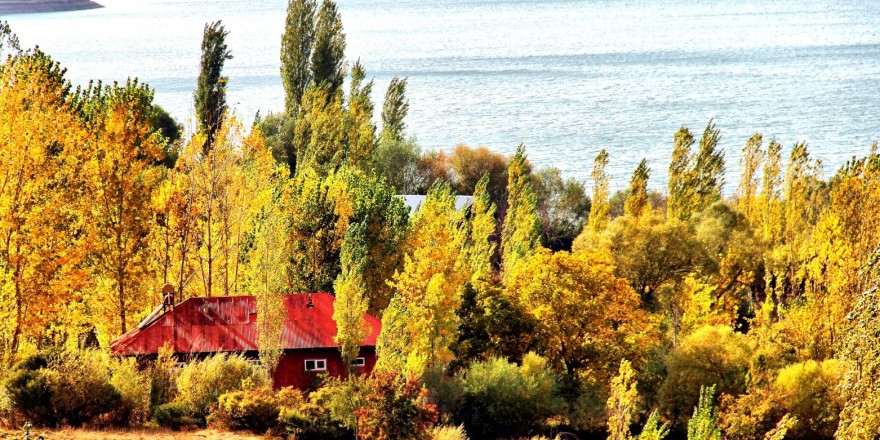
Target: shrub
[[81, 388], [394, 408], [30, 393], [254, 410], [134, 391], [174, 415], [201, 383], [162, 374], [315, 419], [504, 400]]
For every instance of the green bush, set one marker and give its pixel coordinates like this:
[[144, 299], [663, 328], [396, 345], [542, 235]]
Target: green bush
[[31, 395], [71, 387], [200, 384], [175, 415], [505, 400]]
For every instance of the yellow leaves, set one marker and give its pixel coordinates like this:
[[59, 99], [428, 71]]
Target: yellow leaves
[[421, 320], [585, 313]]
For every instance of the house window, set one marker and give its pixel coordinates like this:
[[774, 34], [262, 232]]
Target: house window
[[359, 362], [316, 365]]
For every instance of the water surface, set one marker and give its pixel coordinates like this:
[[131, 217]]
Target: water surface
[[566, 78]]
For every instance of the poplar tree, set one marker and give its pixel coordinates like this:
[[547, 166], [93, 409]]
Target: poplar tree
[[296, 51], [419, 326], [482, 227], [637, 203], [522, 227], [622, 402], [394, 111], [360, 131], [708, 169], [771, 222], [351, 301], [328, 53], [752, 158], [681, 181], [296, 74], [41, 218], [210, 95], [598, 219]]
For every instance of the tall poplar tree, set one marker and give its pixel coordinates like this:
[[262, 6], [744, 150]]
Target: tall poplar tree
[[328, 53], [419, 326], [637, 203], [394, 111], [210, 95], [681, 182], [360, 133], [752, 158], [352, 301], [296, 51], [42, 221], [708, 169], [296, 75], [598, 219], [522, 227], [481, 248]]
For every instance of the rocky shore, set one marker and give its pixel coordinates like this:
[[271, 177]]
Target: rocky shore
[[8, 7]]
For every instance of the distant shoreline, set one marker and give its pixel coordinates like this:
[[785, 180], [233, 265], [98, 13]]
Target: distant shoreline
[[9, 7]]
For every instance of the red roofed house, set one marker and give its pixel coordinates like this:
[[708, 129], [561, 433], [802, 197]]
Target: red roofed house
[[199, 327]]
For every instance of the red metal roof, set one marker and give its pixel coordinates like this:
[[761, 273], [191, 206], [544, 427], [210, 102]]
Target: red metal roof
[[228, 323]]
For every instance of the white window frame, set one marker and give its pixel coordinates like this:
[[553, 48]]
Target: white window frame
[[359, 362], [320, 364]]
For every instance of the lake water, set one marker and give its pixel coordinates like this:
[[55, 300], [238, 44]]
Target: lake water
[[566, 78]]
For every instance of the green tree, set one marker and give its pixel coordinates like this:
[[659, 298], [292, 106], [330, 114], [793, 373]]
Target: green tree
[[637, 203], [210, 95], [562, 208], [708, 168], [521, 233], [394, 111], [296, 51], [622, 403], [328, 50], [351, 301], [360, 134], [703, 426], [681, 179]]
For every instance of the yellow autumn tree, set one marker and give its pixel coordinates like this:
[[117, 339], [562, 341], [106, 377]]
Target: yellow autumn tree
[[42, 224], [588, 318], [420, 323], [121, 182]]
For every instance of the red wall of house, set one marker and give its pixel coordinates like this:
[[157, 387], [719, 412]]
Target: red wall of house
[[291, 367]]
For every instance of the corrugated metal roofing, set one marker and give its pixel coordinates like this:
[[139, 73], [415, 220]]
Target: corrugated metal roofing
[[228, 323]]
